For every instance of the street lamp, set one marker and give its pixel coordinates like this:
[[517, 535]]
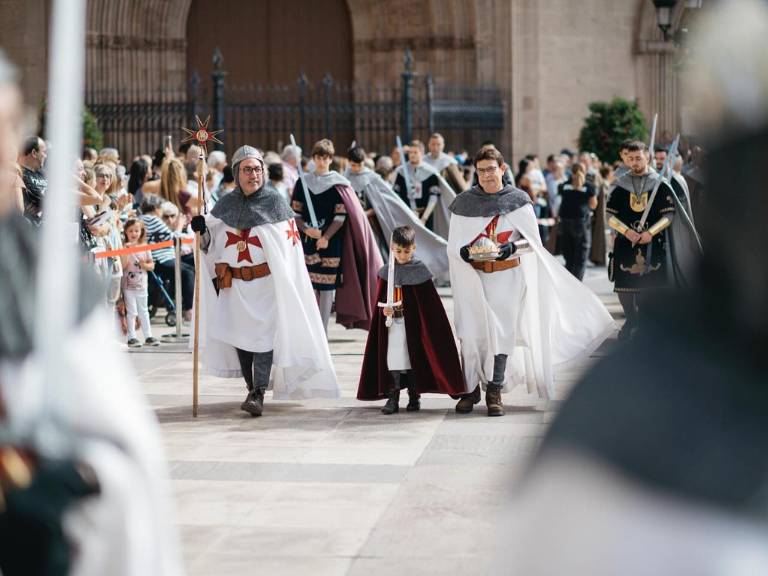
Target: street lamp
[[664, 11]]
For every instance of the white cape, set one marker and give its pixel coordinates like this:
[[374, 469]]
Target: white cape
[[441, 217], [562, 320], [302, 360], [392, 212], [128, 529]]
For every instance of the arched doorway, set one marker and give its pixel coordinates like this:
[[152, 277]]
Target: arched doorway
[[271, 41]]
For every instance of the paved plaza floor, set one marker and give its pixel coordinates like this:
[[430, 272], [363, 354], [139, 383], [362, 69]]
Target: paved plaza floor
[[335, 487]]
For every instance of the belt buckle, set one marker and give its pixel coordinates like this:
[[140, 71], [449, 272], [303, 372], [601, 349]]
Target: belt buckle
[[488, 266], [246, 273]]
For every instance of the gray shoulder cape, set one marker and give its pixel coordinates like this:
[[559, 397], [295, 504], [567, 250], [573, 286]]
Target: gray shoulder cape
[[360, 181], [265, 206], [414, 272], [629, 181], [476, 202], [318, 184], [421, 172]]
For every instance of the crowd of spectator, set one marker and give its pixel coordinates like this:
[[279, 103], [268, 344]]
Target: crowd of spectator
[[155, 197]]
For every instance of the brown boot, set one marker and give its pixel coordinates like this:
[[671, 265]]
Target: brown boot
[[468, 401], [493, 400]]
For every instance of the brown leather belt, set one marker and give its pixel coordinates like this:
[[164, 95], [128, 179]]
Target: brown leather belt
[[225, 273], [489, 266]]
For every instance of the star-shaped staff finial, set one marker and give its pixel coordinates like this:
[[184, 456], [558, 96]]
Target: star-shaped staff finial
[[202, 135]]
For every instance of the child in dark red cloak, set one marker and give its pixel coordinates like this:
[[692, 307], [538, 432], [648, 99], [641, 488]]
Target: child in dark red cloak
[[417, 351]]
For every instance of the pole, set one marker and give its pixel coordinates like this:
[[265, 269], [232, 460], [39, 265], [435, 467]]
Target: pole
[[198, 276], [202, 136], [57, 267], [177, 286]]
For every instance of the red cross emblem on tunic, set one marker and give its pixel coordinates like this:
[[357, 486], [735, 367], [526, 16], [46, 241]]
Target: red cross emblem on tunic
[[241, 241], [293, 234], [490, 232]]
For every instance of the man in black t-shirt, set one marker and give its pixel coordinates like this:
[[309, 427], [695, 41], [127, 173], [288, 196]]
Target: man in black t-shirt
[[32, 160], [579, 198]]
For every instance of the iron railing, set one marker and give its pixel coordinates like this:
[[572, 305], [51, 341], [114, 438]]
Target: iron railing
[[264, 116]]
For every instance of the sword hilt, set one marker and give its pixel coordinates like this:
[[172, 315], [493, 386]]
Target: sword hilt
[[388, 321]]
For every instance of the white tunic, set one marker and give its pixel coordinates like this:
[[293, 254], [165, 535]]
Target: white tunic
[[504, 291], [277, 312], [245, 314], [397, 346]]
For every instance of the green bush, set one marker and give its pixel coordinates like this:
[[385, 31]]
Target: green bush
[[608, 124], [93, 137]]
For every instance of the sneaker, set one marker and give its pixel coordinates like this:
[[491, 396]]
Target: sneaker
[[152, 341], [134, 343]]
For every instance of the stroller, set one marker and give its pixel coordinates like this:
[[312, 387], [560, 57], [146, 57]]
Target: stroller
[[160, 297]]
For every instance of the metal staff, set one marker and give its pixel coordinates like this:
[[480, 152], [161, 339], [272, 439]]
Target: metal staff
[[406, 175], [307, 194], [390, 303]]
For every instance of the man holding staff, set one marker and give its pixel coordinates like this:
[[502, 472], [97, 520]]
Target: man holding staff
[[259, 307]]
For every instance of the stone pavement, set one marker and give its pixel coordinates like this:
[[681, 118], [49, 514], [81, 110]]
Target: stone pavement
[[335, 487]]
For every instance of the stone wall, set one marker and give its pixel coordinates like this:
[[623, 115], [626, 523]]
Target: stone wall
[[549, 57], [23, 35]]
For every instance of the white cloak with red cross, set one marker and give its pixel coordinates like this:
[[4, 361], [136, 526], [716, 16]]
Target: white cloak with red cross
[[557, 318], [276, 312]]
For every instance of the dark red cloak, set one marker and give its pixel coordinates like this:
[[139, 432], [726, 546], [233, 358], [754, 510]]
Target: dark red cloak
[[435, 363], [360, 262]]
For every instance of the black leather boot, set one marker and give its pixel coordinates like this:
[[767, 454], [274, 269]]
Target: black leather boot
[[253, 403], [414, 398], [393, 400], [262, 366]]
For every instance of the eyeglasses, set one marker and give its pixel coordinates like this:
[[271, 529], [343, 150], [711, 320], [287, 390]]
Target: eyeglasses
[[490, 170], [249, 170]]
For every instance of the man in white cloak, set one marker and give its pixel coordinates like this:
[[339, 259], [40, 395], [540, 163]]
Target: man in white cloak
[[518, 313], [259, 307]]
